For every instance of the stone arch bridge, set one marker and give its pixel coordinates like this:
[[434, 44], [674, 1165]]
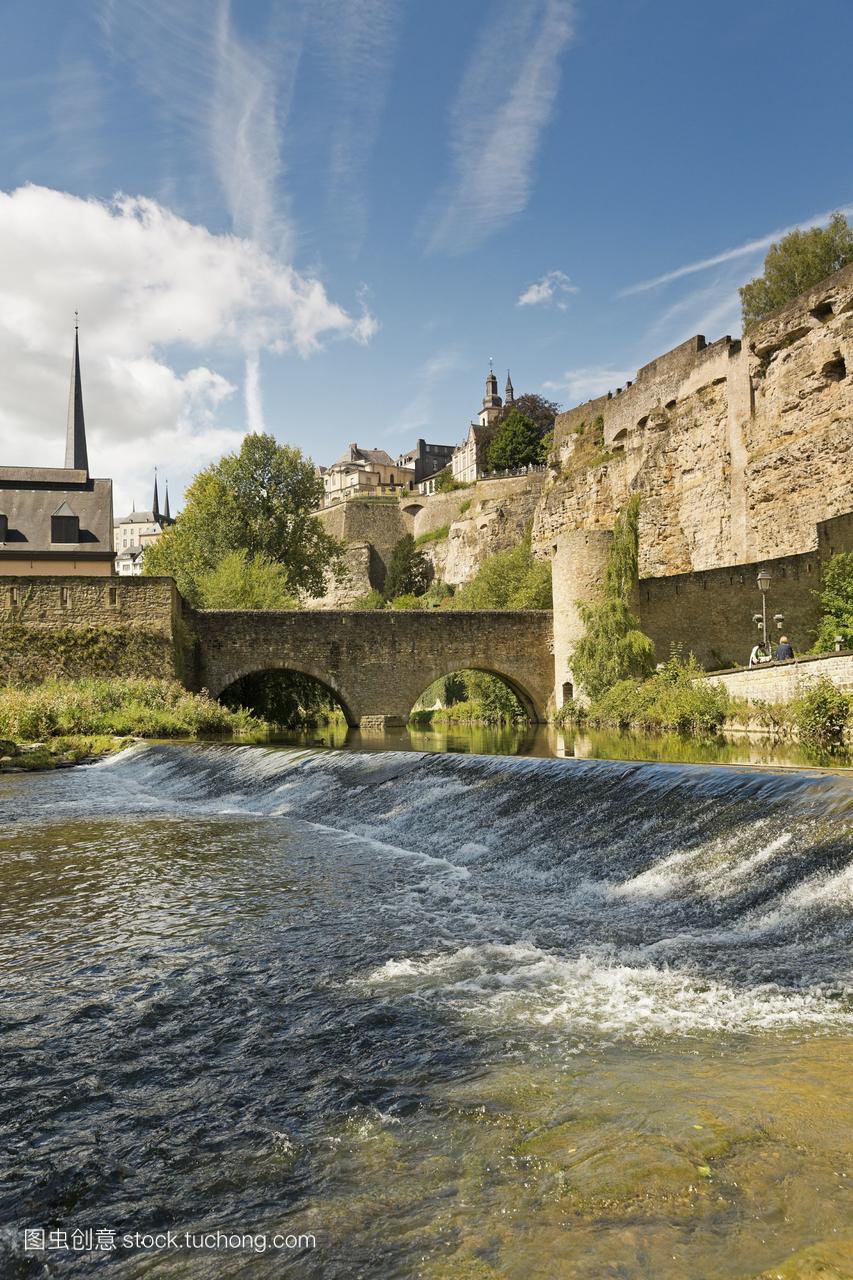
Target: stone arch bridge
[[378, 663]]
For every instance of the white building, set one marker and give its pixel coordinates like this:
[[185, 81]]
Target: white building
[[364, 473], [469, 459], [137, 531]]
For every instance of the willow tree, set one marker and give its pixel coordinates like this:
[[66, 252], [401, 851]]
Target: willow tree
[[613, 647]]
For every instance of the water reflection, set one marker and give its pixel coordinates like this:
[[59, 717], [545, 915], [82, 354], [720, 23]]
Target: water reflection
[[546, 741]]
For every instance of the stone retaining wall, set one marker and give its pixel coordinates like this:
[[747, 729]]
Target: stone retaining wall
[[783, 681]]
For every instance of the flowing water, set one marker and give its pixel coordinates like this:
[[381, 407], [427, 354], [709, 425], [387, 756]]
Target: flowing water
[[452, 1016]]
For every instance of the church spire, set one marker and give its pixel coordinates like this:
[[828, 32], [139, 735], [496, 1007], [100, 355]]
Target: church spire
[[509, 394], [76, 456], [155, 505], [167, 515]]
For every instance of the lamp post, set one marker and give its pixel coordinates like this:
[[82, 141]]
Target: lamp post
[[764, 587]]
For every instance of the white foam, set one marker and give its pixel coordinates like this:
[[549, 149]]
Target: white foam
[[589, 994]]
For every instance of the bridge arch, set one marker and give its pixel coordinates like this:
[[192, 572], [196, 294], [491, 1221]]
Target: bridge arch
[[376, 663], [256, 668], [524, 696]]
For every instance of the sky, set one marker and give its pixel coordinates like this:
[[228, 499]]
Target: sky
[[322, 218]]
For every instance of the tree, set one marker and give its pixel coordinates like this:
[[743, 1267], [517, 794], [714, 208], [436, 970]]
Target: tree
[[800, 260], [262, 500], [613, 647], [540, 411], [515, 443], [509, 579], [408, 570], [836, 603], [241, 581]]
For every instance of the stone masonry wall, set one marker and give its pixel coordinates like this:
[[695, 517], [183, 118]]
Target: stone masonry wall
[[91, 626], [785, 681]]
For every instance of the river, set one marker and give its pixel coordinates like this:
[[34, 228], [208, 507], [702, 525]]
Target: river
[[448, 1016]]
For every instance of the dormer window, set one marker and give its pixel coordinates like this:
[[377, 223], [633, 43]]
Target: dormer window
[[64, 525]]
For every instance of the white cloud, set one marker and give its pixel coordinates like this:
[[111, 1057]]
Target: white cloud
[[551, 289], [358, 39], [232, 98], [578, 385], [750, 249], [506, 98], [161, 300]]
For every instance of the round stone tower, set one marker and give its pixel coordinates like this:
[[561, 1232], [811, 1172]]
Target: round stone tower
[[577, 576]]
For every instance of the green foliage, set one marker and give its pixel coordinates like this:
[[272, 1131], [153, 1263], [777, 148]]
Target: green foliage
[[434, 535], [142, 707], [515, 443], [464, 507], [836, 603], [508, 580], [286, 699], [262, 501], [822, 713], [373, 600], [613, 648], [408, 570], [407, 601], [540, 411], [242, 581], [470, 697], [446, 483], [676, 699], [799, 261]]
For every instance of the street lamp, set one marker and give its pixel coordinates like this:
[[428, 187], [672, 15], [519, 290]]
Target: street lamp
[[764, 587]]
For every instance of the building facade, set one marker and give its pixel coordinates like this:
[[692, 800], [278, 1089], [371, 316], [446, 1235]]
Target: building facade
[[427, 459], [468, 460], [139, 530], [364, 473], [58, 520]]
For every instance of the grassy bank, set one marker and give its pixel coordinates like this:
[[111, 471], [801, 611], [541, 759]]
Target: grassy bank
[[676, 699], [79, 718]]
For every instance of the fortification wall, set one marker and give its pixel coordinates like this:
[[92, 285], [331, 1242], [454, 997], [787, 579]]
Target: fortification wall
[[739, 449], [91, 626], [497, 515]]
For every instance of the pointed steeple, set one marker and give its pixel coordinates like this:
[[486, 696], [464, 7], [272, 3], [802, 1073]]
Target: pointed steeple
[[76, 456], [509, 394], [167, 515], [155, 505]]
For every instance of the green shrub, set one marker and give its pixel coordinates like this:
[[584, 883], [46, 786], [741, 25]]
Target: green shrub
[[822, 713], [508, 580], [446, 483], [676, 699], [373, 600], [146, 708]]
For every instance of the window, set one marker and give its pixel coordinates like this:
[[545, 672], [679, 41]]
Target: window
[[4, 527], [64, 525], [64, 597], [113, 595]]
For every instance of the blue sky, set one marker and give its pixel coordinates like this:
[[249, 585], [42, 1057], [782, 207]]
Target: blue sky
[[413, 188]]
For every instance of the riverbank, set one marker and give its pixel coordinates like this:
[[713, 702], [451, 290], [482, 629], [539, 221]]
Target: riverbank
[[65, 722]]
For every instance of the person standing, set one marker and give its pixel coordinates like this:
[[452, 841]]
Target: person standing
[[784, 649]]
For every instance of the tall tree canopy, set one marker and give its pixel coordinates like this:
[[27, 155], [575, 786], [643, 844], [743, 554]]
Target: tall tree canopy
[[261, 502], [540, 411], [408, 570], [515, 443], [797, 262]]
